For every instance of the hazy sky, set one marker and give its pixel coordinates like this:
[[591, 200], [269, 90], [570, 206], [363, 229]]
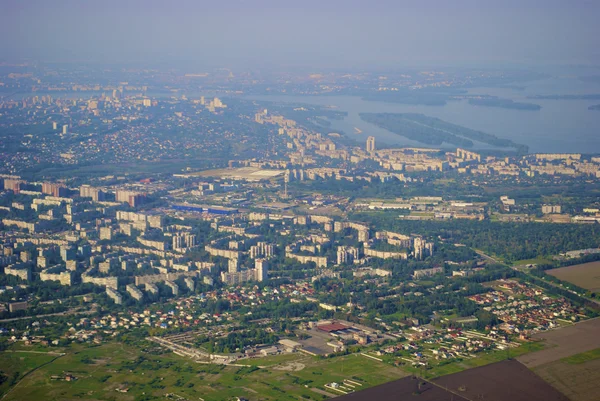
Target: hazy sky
[[318, 33]]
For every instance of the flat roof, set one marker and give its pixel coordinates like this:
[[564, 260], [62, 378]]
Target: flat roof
[[332, 327]]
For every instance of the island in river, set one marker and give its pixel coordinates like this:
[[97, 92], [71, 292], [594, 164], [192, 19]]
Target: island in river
[[433, 131], [504, 103]]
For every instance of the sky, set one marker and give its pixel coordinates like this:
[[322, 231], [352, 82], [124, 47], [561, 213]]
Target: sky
[[303, 33]]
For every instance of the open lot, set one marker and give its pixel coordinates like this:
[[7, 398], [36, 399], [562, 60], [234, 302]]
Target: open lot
[[565, 342], [117, 372], [578, 377], [15, 365], [242, 173], [501, 381], [586, 275], [403, 389], [506, 380]]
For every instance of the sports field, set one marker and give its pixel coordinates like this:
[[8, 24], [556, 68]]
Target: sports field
[[585, 275]]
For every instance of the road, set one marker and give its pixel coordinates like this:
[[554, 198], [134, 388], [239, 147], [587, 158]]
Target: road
[[69, 312], [487, 257]]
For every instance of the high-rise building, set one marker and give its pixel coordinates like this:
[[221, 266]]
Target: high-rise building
[[67, 253], [233, 265], [371, 144], [131, 197], [363, 235], [178, 242], [86, 191], [261, 267], [347, 254], [58, 190], [65, 129], [262, 249], [105, 233], [55, 126], [13, 185], [422, 248]]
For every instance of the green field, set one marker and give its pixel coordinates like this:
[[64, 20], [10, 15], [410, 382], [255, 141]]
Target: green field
[[106, 371], [117, 372], [537, 261], [15, 365], [583, 357]]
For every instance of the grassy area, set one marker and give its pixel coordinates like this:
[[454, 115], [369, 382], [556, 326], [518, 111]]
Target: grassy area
[[117, 372], [15, 365], [106, 371], [446, 367], [583, 357], [271, 360], [537, 261]]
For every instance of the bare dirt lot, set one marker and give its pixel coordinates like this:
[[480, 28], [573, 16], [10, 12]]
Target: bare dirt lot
[[508, 380], [502, 381], [579, 382], [407, 388], [586, 275], [564, 342]]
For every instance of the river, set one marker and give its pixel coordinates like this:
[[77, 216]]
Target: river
[[560, 126]]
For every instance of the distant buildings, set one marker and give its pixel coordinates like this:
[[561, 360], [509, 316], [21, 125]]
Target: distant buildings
[[234, 276], [58, 190], [132, 197], [371, 144], [551, 209], [467, 155], [86, 191], [418, 274], [114, 295]]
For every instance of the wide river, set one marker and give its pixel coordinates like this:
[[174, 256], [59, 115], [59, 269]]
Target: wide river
[[560, 126]]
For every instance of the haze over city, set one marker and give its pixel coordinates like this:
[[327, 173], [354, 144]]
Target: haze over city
[[310, 34]]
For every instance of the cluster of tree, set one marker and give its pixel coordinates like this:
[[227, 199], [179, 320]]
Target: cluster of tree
[[283, 309], [236, 341], [512, 241], [504, 103]]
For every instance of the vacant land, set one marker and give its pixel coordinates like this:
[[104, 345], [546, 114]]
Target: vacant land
[[586, 275], [565, 342], [403, 389], [578, 377], [502, 381], [15, 365], [114, 371]]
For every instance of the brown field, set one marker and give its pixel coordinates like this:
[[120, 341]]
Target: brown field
[[564, 342], [502, 381], [508, 380], [579, 382], [586, 275], [403, 389]]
